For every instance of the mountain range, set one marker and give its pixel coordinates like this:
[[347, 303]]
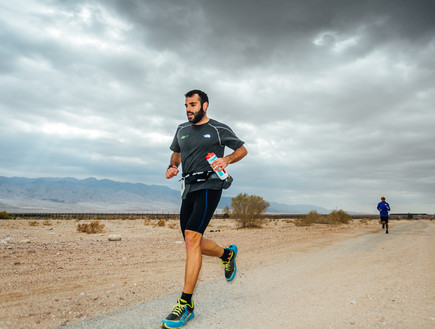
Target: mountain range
[[19, 194]]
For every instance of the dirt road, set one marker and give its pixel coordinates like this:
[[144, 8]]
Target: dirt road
[[371, 281]]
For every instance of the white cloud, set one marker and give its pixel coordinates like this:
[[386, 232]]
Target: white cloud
[[335, 42]]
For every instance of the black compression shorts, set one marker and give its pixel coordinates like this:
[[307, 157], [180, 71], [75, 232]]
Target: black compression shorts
[[384, 219], [197, 209]]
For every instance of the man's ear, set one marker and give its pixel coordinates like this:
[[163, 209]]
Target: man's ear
[[205, 106]]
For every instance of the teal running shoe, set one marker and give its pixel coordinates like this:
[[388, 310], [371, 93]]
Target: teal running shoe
[[230, 264], [181, 314]]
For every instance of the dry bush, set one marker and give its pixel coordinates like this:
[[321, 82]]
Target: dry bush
[[300, 222], [338, 217], [364, 221], [33, 223], [248, 209], [47, 222], [93, 227], [82, 227], [334, 218], [309, 219], [226, 212], [4, 215], [161, 223]]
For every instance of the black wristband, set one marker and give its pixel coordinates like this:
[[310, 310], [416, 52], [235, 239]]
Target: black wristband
[[172, 166]]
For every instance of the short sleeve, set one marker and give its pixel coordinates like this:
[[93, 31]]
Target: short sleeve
[[175, 146], [229, 138]]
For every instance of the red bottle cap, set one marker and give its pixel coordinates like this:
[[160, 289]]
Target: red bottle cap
[[209, 155]]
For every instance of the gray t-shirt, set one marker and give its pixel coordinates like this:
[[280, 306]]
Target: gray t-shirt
[[195, 141]]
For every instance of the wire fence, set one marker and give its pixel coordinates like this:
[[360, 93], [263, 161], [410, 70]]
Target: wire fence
[[168, 215], [95, 215]]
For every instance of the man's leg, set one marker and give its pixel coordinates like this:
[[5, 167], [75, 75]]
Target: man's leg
[[184, 310], [227, 256], [193, 261], [193, 242], [211, 248]]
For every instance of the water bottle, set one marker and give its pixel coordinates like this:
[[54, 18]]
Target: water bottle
[[222, 174]]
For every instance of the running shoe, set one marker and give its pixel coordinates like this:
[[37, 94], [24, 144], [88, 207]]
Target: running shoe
[[181, 314], [383, 225], [230, 264]]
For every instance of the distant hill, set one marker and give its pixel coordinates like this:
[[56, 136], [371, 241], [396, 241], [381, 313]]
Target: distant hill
[[18, 194], [70, 194]]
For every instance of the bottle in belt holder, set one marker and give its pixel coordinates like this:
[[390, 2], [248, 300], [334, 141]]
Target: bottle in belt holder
[[222, 174]]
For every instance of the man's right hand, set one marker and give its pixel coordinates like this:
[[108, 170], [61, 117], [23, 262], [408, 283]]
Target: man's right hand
[[171, 172]]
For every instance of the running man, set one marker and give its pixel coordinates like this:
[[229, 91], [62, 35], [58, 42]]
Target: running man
[[201, 193], [384, 208]]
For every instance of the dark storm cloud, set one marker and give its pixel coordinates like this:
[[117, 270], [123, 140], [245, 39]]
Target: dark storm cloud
[[257, 32]]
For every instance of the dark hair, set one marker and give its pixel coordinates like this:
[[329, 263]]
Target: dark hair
[[202, 95]]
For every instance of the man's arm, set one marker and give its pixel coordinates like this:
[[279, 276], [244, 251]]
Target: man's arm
[[174, 164], [237, 155]]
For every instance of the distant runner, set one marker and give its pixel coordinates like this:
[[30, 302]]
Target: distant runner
[[384, 208], [201, 193]]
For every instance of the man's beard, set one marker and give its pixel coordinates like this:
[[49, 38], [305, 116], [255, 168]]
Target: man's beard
[[197, 117]]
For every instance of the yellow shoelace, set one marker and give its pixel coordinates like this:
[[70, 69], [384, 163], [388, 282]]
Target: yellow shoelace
[[227, 262]]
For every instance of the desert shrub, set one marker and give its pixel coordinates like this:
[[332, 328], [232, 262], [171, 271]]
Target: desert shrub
[[93, 227], [4, 215], [248, 209], [161, 223], [82, 227], [33, 223], [309, 219], [47, 222], [299, 222], [226, 212], [338, 217]]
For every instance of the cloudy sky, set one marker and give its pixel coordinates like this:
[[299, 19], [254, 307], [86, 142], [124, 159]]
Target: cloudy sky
[[334, 99]]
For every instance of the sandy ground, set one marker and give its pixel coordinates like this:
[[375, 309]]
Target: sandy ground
[[52, 276]]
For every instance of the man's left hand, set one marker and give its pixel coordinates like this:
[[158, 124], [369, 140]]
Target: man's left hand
[[219, 164]]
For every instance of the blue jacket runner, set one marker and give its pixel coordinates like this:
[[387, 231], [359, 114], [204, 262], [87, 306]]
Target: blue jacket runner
[[384, 208]]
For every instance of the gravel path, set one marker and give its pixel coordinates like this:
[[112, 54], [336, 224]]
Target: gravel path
[[373, 281]]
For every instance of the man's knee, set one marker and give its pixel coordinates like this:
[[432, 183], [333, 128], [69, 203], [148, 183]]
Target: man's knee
[[192, 239]]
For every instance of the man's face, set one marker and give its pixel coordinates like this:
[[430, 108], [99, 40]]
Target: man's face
[[194, 110]]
